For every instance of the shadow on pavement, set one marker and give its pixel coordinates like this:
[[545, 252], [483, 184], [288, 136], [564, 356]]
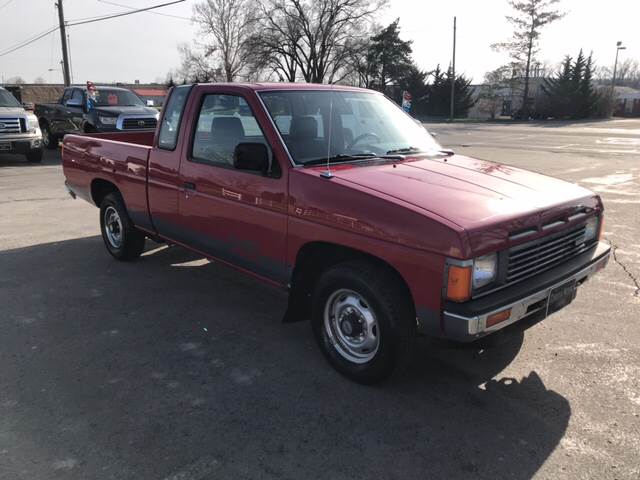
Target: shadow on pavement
[[175, 368], [51, 157]]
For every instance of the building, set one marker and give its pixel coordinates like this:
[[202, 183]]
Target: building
[[154, 94], [627, 102], [505, 99]]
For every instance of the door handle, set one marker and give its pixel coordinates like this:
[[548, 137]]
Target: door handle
[[189, 185]]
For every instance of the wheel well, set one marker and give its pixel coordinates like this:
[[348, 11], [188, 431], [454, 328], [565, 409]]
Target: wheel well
[[43, 121], [315, 258], [101, 188]]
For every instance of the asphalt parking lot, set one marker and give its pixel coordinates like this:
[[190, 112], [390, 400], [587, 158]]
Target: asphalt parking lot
[[177, 368]]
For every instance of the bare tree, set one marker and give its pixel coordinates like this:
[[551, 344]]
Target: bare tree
[[227, 25], [529, 19], [39, 80], [492, 93], [17, 80], [627, 74], [312, 38], [196, 66]]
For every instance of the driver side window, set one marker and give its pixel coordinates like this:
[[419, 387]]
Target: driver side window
[[224, 122]]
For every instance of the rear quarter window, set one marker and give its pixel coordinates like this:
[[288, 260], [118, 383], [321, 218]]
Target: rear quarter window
[[170, 126]]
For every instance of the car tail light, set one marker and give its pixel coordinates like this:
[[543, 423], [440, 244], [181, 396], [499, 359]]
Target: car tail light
[[459, 283]]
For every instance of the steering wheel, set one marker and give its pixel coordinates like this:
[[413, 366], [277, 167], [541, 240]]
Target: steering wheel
[[363, 136]]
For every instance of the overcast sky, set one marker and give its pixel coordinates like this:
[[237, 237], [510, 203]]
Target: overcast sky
[[143, 46]]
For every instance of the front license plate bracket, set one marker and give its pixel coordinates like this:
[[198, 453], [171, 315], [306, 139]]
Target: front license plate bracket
[[561, 296]]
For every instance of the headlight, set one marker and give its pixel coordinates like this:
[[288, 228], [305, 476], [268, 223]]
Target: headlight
[[32, 120], [108, 120], [485, 269], [591, 229]]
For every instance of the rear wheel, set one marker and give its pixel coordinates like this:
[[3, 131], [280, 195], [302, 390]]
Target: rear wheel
[[35, 156], [49, 140], [122, 239], [363, 321]]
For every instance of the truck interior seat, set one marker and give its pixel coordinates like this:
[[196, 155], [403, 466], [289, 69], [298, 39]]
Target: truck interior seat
[[226, 133], [303, 139]]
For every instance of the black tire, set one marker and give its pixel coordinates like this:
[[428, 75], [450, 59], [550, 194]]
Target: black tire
[[49, 140], [122, 239], [35, 156], [383, 296]]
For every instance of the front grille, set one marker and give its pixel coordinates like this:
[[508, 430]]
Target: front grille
[[10, 125], [139, 123], [543, 254]]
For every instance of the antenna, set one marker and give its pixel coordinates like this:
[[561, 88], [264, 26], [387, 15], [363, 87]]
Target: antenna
[[327, 173]]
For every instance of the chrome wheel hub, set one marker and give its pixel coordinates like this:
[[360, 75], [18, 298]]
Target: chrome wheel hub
[[113, 227], [351, 325]]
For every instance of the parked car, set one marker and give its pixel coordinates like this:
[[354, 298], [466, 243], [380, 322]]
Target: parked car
[[114, 109], [338, 196], [19, 130]]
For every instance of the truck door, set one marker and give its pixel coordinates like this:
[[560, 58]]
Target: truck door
[[74, 112], [58, 115], [164, 184], [237, 216]]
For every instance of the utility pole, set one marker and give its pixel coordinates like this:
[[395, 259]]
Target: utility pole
[[63, 38], [453, 72]]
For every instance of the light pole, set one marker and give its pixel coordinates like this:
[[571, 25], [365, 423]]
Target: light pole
[[615, 65]]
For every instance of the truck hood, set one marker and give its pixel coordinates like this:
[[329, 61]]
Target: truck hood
[[479, 196], [12, 111], [117, 110]]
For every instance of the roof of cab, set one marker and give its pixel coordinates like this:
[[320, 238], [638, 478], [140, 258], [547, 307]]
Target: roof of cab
[[291, 86]]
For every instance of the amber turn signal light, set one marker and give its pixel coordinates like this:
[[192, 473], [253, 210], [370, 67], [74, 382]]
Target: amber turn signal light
[[499, 317], [459, 283]]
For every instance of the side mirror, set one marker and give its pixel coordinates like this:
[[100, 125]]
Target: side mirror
[[73, 103], [251, 156]]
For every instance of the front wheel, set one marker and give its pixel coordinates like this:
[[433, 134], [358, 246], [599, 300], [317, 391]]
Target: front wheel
[[49, 140], [122, 239], [35, 156], [363, 321]]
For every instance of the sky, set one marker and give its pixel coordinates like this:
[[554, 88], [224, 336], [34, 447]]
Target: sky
[[144, 46]]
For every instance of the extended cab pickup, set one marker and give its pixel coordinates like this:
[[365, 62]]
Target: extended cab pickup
[[112, 109], [335, 194]]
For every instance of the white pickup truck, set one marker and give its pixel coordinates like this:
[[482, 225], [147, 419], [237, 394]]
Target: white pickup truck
[[19, 129]]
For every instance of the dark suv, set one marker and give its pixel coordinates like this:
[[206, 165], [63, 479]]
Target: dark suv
[[113, 109]]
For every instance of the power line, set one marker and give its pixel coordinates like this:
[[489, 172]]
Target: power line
[[133, 8], [24, 43], [108, 17], [5, 4], [71, 23]]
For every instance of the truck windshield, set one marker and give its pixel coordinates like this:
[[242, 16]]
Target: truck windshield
[[106, 97], [8, 100], [362, 125]]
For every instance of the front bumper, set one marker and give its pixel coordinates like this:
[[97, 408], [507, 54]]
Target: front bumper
[[20, 144], [467, 321]]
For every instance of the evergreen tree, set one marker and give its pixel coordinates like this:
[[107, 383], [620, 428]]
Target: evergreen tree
[[171, 83], [439, 103], [587, 94], [388, 58], [571, 94]]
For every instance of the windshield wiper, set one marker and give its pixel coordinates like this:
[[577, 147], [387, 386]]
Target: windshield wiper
[[341, 157], [406, 150]]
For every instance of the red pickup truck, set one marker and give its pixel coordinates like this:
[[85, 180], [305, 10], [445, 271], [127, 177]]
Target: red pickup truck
[[336, 195]]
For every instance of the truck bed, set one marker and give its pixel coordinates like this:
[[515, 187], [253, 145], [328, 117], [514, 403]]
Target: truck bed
[[120, 158]]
